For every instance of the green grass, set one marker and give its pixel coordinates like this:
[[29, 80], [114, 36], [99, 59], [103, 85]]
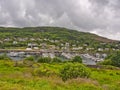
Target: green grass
[[23, 78], [110, 78], [7, 67]]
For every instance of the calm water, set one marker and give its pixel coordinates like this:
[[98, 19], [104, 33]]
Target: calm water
[[89, 61], [86, 60]]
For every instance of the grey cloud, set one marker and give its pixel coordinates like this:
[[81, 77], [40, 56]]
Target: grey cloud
[[96, 16]]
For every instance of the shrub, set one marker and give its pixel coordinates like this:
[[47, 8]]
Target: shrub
[[4, 57], [30, 58], [56, 60], [115, 59], [29, 61], [77, 59], [44, 60], [105, 62], [43, 72], [75, 70]]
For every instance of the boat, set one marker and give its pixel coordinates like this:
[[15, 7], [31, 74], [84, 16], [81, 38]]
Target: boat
[[13, 54]]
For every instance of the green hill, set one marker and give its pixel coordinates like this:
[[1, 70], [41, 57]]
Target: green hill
[[63, 35]]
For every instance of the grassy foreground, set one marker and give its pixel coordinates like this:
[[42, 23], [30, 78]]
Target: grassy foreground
[[24, 77]]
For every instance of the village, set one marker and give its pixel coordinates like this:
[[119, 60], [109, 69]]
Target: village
[[88, 59], [39, 44], [55, 48], [59, 44], [65, 50]]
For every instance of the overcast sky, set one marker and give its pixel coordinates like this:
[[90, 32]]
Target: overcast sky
[[101, 17]]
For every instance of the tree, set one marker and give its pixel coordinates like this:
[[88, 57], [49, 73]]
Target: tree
[[113, 59], [116, 59], [77, 59]]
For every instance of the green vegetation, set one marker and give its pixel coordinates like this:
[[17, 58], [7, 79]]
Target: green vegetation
[[45, 73], [71, 70], [116, 59], [56, 60], [77, 59], [106, 62], [45, 76], [44, 60], [113, 59], [4, 57], [18, 38], [30, 58]]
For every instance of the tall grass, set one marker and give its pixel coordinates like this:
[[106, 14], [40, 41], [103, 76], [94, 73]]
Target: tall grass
[[24, 78]]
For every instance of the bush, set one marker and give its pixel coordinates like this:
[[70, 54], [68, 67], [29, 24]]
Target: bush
[[115, 59], [43, 72], [57, 60], [77, 59], [30, 58], [44, 60], [105, 62], [28, 61], [75, 70], [4, 57]]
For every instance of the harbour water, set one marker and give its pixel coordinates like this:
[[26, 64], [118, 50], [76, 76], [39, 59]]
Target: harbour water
[[22, 56]]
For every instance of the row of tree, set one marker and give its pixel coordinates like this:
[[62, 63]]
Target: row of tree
[[53, 60]]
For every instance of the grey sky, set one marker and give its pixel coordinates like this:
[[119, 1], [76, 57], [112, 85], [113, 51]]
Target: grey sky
[[97, 16]]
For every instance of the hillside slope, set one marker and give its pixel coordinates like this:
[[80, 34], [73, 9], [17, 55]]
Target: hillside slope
[[54, 33]]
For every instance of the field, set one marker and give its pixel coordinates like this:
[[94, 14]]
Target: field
[[24, 77]]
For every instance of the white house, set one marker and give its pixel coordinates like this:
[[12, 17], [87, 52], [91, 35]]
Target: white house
[[15, 42], [100, 49], [28, 48], [36, 48]]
